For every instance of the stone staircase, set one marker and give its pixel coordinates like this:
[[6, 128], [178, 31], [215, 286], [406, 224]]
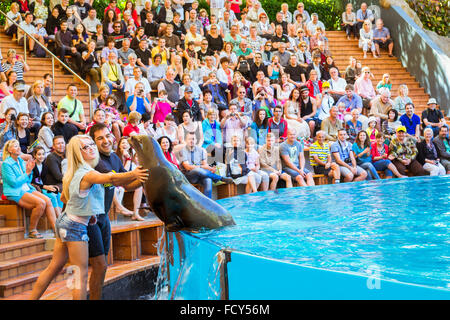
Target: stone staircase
[[21, 260], [342, 49], [41, 66]]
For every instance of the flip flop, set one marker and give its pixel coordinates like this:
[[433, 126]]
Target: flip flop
[[35, 235]]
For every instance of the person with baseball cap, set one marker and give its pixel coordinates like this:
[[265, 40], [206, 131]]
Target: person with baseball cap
[[403, 152], [15, 100], [432, 117]]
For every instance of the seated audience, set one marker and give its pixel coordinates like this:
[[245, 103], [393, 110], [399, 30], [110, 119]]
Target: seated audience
[[345, 159], [427, 155], [17, 177], [442, 144], [363, 156], [403, 153], [321, 160], [293, 160], [432, 117], [411, 121], [193, 160], [62, 126]]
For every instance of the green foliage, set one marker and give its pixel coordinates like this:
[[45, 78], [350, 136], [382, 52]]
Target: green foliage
[[4, 6], [434, 14], [329, 11]]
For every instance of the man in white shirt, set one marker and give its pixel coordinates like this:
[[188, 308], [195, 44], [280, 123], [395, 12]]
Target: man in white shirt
[[15, 100], [337, 84], [28, 26], [131, 83], [314, 24], [207, 68], [91, 22]]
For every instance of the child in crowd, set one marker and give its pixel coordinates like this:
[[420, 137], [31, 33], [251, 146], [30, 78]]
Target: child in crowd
[[161, 108], [372, 130], [203, 17], [38, 181]]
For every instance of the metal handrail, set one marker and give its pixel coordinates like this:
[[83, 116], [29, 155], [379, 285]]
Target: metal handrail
[[53, 60]]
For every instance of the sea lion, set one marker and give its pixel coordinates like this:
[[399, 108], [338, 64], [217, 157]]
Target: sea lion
[[170, 195]]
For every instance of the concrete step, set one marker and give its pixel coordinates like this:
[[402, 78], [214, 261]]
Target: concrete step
[[23, 265], [21, 284], [21, 248], [12, 234], [2, 221]]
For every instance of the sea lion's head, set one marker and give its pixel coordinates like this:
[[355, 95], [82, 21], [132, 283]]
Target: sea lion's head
[[148, 150]]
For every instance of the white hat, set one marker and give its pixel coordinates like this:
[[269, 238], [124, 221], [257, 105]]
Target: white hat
[[372, 118], [431, 100]]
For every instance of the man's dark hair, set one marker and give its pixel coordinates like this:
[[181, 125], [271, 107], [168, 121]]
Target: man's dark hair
[[349, 87], [96, 127], [58, 137]]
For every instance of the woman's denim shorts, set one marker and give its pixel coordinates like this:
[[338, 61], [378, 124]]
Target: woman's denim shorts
[[68, 230]]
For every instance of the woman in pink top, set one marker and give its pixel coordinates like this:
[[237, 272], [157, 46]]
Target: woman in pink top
[[160, 109]]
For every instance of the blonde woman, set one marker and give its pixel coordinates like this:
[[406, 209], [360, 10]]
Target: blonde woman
[[385, 82], [83, 194], [402, 99], [17, 175], [366, 39]]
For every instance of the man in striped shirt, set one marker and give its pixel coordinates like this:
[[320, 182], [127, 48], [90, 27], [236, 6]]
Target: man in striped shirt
[[320, 158]]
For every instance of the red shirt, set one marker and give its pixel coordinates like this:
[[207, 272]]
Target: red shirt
[[374, 150], [129, 129]]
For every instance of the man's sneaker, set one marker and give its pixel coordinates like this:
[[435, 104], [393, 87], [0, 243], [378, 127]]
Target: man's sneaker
[[227, 180]]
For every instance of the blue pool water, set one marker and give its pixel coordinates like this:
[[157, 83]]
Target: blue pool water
[[398, 227]]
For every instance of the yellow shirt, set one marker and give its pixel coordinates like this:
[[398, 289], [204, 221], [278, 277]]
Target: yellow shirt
[[163, 54], [113, 74]]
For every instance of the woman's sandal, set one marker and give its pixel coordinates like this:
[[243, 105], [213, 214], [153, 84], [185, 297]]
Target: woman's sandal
[[35, 235]]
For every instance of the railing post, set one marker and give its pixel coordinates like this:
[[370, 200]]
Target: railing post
[[25, 47], [53, 74]]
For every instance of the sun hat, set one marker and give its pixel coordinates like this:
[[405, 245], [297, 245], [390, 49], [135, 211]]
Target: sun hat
[[372, 118], [431, 101]]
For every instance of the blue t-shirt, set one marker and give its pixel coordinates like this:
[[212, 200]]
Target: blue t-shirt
[[410, 124], [343, 148], [291, 150], [140, 107]]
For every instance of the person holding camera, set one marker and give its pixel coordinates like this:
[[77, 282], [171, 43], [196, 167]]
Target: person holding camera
[[345, 159], [138, 101], [219, 92], [8, 130], [187, 103], [233, 124], [263, 101]]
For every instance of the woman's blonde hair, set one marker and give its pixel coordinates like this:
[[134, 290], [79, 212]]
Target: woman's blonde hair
[[403, 86], [36, 83], [75, 160], [6, 153]]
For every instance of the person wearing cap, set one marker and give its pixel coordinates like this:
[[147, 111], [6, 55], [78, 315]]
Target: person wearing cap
[[432, 117], [427, 155], [308, 109], [187, 103], [372, 130], [403, 153], [323, 111], [16, 100]]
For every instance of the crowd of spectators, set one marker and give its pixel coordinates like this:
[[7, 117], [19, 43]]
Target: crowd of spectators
[[232, 97]]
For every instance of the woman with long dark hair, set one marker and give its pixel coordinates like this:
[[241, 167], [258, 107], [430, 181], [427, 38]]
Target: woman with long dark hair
[[259, 128], [361, 149], [167, 148]]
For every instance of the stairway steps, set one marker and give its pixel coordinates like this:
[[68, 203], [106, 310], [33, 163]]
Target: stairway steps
[[21, 248], [23, 265], [2, 221], [24, 283], [12, 234]]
